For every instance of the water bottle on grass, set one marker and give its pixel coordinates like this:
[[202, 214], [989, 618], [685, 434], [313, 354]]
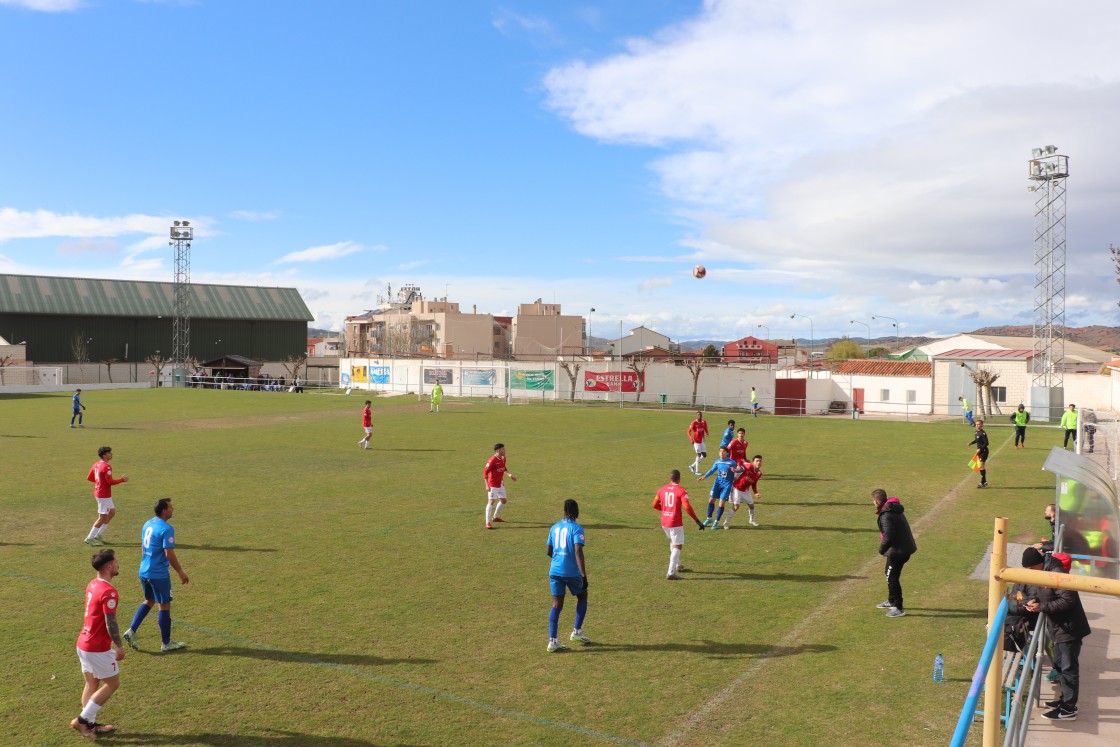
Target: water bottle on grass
[[939, 668]]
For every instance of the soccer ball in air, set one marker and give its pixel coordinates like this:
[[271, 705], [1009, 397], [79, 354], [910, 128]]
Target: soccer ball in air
[[698, 271]]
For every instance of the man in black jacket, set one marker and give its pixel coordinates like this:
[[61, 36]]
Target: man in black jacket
[[896, 543], [1068, 626]]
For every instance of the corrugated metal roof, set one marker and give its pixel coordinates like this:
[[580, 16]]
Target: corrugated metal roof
[[987, 354], [27, 294], [885, 368]]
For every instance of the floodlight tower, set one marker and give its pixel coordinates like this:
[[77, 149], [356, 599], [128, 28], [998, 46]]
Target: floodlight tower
[[1048, 171], [181, 235]]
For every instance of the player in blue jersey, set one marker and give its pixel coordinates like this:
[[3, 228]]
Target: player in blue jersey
[[157, 543], [725, 471], [76, 410], [728, 435], [568, 571]]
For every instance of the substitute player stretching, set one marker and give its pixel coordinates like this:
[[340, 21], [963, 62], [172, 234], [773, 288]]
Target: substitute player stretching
[[745, 490], [697, 430], [568, 571], [725, 470], [494, 474], [157, 543], [99, 646], [671, 500], [367, 425], [101, 475]]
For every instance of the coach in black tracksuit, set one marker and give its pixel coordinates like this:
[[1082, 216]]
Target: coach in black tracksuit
[[896, 543]]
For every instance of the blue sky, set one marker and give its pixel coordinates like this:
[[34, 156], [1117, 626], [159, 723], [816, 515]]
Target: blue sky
[[834, 160]]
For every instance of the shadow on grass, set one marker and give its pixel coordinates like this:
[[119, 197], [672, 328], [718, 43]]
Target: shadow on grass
[[789, 528], [947, 612], [819, 503], [112, 428], [10, 435], [273, 737], [734, 576], [798, 478], [714, 649], [16, 544], [230, 548], [1016, 487], [614, 526], [301, 657], [422, 451]]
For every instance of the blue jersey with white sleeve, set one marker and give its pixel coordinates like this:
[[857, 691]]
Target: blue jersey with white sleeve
[[77, 402], [156, 538], [724, 470], [562, 540], [728, 436]]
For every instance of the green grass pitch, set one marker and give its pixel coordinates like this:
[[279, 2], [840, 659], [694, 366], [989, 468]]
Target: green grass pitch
[[342, 597]]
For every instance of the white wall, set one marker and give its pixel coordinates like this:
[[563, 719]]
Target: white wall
[[922, 386]]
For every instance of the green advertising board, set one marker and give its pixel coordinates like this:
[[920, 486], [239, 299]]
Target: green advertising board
[[536, 380]]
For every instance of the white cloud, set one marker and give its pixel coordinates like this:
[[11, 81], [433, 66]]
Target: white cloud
[[21, 224], [47, 6], [88, 246], [507, 22], [318, 253], [818, 147], [651, 283], [255, 216], [413, 264]]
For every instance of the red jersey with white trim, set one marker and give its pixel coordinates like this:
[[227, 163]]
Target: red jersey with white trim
[[495, 471], [738, 450], [367, 417], [748, 480], [101, 475], [101, 600], [670, 500], [697, 429]]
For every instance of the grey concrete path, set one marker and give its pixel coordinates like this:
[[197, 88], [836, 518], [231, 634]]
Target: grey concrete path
[[1098, 718]]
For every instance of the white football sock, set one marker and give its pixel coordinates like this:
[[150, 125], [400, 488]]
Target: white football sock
[[92, 532], [728, 513], [89, 713], [751, 509], [497, 508], [488, 507], [101, 529], [674, 560]]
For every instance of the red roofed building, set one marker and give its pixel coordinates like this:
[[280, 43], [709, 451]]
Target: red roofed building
[[750, 350]]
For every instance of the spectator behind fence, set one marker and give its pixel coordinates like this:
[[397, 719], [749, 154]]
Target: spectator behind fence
[[1068, 626]]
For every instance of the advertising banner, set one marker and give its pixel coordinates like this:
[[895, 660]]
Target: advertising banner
[[358, 375], [379, 374], [612, 381], [479, 377], [536, 380], [438, 376]]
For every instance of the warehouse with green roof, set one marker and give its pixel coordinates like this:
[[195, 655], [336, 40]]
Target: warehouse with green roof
[[64, 320]]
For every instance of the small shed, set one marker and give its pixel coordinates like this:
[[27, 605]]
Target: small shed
[[233, 366]]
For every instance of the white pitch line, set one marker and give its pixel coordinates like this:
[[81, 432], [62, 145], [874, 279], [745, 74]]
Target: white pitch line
[[716, 703]]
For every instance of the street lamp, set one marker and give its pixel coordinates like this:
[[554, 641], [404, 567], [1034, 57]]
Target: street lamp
[[811, 341], [763, 326], [868, 335], [589, 313], [895, 325]]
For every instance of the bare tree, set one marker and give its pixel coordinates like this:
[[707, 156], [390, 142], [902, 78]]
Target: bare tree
[[109, 367], [639, 366], [572, 369], [695, 367], [5, 361], [79, 347], [157, 362], [983, 378], [293, 364], [1115, 252]]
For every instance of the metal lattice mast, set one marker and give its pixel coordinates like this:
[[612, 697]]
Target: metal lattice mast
[[181, 235], [1049, 171]]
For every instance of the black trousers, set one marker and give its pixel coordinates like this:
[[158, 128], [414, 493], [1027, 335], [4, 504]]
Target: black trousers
[[894, 579], [1066, 657], [1069, 434], [1020, 435]]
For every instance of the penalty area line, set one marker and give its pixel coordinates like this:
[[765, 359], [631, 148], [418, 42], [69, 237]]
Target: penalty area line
[[716, 703]]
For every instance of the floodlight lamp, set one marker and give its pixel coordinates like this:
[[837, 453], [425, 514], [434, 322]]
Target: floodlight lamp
[[1051, 149], [1036, 152], [186, 223], [176, 222]]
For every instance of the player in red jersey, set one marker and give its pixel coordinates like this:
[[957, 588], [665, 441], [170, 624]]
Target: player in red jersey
[[101, 475], [737, 449], [697, 429], [99, 646], [367, 424], [494, 475], [671, 500], [746, 491]]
